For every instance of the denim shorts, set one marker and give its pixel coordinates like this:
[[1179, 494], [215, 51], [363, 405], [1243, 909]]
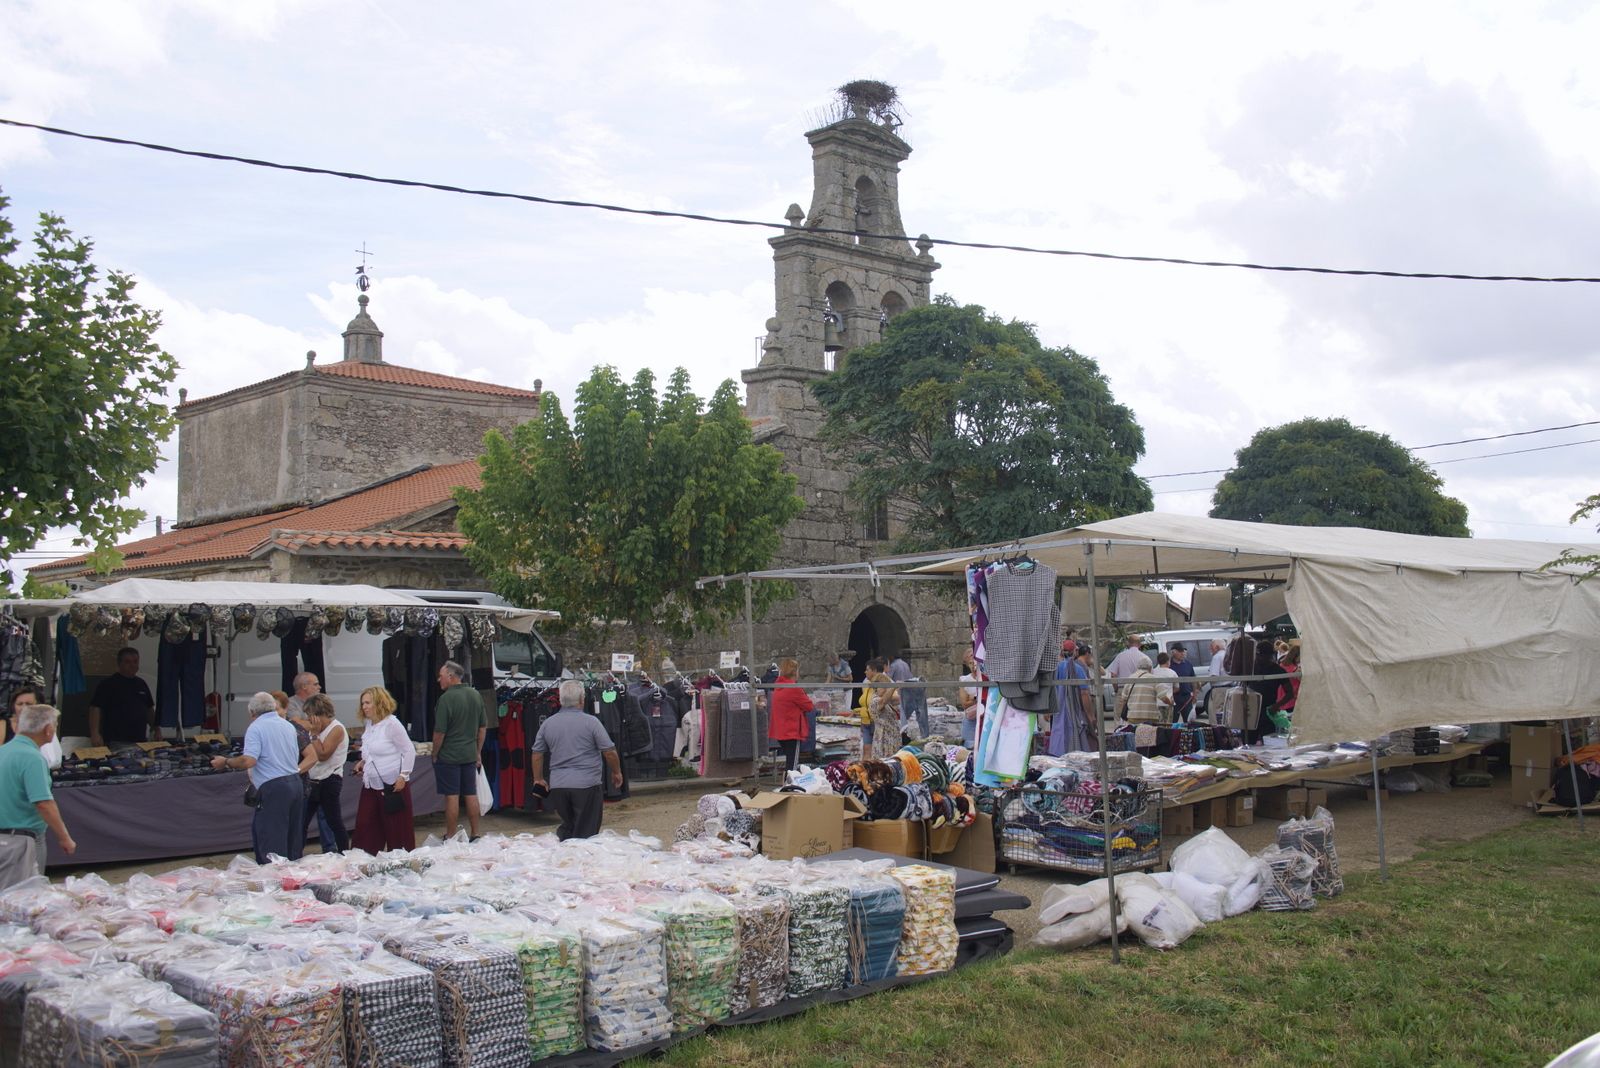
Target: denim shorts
[[456, 780], [866, 734]]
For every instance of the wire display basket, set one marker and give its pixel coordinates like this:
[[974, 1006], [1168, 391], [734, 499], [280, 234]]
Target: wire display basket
[[1065, 830]]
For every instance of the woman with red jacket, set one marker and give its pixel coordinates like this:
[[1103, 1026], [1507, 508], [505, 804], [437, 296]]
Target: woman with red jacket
[[787, 723]]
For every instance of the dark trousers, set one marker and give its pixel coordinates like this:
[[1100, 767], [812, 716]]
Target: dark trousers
[[377, 830], [790, 748], [181, 683], [322, 800], [279, 825], [580, 811]]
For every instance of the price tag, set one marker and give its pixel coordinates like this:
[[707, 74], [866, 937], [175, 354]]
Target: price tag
[[729, 659], [91, 752], [621, 661], [150, 747], [210, 738]]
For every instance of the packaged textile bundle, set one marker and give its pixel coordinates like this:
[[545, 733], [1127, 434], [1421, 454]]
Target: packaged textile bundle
[[819, 934], [763, 972], [270, 1015], [550, 961], [1288, 886], [102, 920], [877, 916], [481, 1004], [391, 1012], [111, 1017], [31, 897], [929, 939], [702, 942], [1314, 838], [152, 951], [373, 891], [624, 980], [23, 971]]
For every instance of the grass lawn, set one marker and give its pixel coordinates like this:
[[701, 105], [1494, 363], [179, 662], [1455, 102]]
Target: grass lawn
[[1485, 952]]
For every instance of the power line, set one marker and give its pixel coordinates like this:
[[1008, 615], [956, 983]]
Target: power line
[[530, 198], [1516, 452], [1513, 434]]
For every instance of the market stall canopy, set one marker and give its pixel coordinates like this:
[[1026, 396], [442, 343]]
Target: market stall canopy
[[172, 594], [1397, 630]]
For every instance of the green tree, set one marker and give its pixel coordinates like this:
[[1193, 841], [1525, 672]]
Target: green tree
[[976, 432], [1588, 508], [81, 394], [612, 518], [1329, 473]]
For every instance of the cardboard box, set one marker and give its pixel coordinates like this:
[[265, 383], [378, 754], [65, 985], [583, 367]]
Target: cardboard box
[[1240, 809], [901, 837], [1177, 822], [1381, 795], [1528, 781], [1315, 799], [1282, 802], [943, 839], [1536, 745], [804, 825], [975, 848]]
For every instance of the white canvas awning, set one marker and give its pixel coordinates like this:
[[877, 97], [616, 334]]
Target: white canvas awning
[[170, 593], [1397, 630]]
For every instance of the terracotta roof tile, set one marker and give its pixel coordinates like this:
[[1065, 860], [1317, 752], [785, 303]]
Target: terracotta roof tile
[[296, 540], [237, 539], [406, 376]]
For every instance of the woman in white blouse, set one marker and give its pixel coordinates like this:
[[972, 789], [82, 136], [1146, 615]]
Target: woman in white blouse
[[383, 818]]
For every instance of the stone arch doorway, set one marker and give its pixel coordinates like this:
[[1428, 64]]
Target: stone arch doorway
[[877, 631]]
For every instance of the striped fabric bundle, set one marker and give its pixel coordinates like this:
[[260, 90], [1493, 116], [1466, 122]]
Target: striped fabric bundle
[[702, 942], [877, 913], [481, 1004], [269, 1018], [391, 1013], [929, 938]]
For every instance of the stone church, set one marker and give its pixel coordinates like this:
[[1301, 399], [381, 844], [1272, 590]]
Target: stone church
[[343, 471]]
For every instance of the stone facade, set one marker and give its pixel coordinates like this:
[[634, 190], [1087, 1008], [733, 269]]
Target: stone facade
[[311, 435]]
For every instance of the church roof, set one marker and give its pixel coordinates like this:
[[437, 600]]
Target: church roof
[[384, 372], [342, 523]]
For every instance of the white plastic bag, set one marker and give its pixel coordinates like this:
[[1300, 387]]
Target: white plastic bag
[[1246, 891], [1071, 899], [1082, 929], [1207, 900], [485, 792], [1211, 857], [1160, 919]]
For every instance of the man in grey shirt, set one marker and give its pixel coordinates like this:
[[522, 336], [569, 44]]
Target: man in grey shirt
[[579, 751]]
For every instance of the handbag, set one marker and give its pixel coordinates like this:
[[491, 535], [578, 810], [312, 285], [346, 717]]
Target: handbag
[[392, 801], [252, 796]]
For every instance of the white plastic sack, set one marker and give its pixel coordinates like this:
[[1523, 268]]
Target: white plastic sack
[[1160, 919], [1246, 891], [1212, 857], [1082, 929], [485, 792], [1071, 899], [1207, 900]]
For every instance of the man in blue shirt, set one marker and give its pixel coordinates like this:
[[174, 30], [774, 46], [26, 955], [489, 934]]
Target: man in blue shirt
[[26, 805], [1180, 665], [272, 756]]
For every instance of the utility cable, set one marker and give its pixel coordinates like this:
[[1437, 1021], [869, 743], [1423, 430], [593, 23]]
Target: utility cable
[[530, 198]]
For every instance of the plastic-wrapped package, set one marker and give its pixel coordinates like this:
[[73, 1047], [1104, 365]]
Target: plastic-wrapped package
[[111, 1017], [23, 971], [550, 961], [763, 972], [391, 1012], [1074, 930], [929, 939], [819, 934], [24, 901], [482, 1007], [1289, 887], [877, 919], [702, 942], [625, 980], [1159, 918], [1314, 838], [1208, 901], [270, 1015]]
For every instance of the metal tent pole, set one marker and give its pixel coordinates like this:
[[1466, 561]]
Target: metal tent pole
[[1572, 769], [1377, 809], [1100, 732]]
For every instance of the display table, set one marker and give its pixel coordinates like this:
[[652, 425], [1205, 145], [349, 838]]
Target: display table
[[1345, 769], [185, 817]]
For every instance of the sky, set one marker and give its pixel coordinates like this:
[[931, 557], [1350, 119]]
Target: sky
[[1425, 137]]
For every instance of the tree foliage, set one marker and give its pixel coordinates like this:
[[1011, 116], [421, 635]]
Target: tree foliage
[[1588, 508], [976, 432], [611, 518], [81, 394], [1329, 473]]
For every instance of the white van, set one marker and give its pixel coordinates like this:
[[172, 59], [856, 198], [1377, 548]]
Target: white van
[[1196, 643]]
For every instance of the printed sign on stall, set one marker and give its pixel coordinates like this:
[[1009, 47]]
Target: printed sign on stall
[[621, 661], [729, 659]]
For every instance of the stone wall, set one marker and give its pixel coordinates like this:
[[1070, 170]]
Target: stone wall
[[237, 454]]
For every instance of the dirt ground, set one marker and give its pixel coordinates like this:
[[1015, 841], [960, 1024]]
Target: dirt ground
[[1412, 822]]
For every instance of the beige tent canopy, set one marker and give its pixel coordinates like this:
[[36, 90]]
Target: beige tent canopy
[[1398, 630]]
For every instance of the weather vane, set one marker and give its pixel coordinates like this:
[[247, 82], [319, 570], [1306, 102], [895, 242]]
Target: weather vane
[[363, 283]]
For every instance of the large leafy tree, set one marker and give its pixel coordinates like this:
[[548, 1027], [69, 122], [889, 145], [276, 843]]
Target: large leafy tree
[[975, 431], [1329, 473], [81, 393], [1589, 563], [612, 517]]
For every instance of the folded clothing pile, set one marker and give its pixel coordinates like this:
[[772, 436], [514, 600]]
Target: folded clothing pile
[[112, 1016], [877, 915], [391, 1012], [29, 964], [625, 981], [819, 935], [482, 1007], [702, 946], [763, 971], [929, 938]]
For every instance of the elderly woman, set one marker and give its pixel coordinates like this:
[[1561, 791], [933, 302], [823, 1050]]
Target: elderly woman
[[1140, 701], [790, 706], [322, 762], [272, 757], [383, 817], [883, 705]]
